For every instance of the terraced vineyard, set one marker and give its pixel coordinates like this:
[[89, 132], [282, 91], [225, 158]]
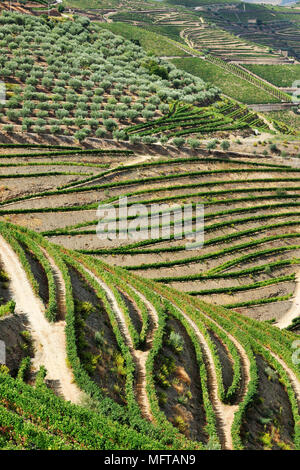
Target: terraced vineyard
[[173, 354], [184, 119], [274, 27], [93, 87], [163, 348], [251, 218], [201, 33], [225, 45], [210, 51], [119, 332]]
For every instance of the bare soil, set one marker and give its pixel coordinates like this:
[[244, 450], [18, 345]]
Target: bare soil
[[105, 375], [17, 347], [134, 313], [270, 414], [49, 340], [38, 273], [184, 396]]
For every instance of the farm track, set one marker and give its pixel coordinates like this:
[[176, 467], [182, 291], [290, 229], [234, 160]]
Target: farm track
[[126, 337], [51, 354], [292, 377], [291, 374], [224, 413], [49, 339], [294, 311]]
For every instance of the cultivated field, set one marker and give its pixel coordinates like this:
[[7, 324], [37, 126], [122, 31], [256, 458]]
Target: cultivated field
[[139, 337], [180, 371], [250, 255]]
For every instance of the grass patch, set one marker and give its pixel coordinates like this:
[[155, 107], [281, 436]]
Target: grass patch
[[229, 83], [288, 117], [149, 40], [279, 75]]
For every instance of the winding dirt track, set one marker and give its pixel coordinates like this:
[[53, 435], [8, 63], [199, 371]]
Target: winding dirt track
[[225, 413], [230, 410], [294, 311], [49, 339], [50, 344]]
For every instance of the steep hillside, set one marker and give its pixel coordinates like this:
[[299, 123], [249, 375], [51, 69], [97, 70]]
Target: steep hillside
[[82, 80], [250, 254], [224, 38], [197, 376], [149, 227]]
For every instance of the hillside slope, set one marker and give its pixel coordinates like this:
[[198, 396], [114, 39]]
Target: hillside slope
[[160, 330]]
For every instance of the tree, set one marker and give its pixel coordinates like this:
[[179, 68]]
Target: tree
[[225, 145], [178, 142], [120, 135], [194, 143], [110, 124], [212, 144], [100, 132], [80, 135]]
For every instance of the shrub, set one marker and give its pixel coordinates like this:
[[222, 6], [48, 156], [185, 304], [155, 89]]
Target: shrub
[[148, 139], [176, 341], [194, 143], [211, 145], [134, 139], [273, 148], [8, 127], [120, 135], [110, 124], [80, 135], [100, 132], [178, 142], [225, 145]]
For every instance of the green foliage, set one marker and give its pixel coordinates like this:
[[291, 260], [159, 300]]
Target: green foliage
[[155, 69], [232, 85], [7, 309], [279, 75], [176, 341], [84, 68]]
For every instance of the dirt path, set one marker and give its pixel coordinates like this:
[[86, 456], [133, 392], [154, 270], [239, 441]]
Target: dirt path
[[292, 376], [142, 357], [294, 311], [49, 339], [140, 159], [108, 15], [245, 363], [153, 318], [139, 357]]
